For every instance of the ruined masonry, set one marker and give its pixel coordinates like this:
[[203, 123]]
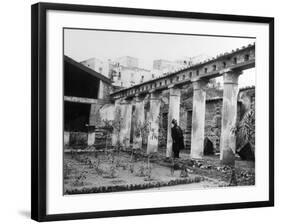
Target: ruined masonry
[[144, 103]]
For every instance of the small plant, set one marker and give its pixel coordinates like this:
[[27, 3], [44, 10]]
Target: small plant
[[117, 125], [110, 156], [91, 164], [140, 133], [108, 126], [113, 171], [73, 153], [245, 129], [141, 171], [172, 170], [144, 129], [131, 164], [233, 179], [96, 166], [148, 170], [132, 156], [79, 180], [184, 172], [121, 164], [131, 167], [66, 171], [126, 142]]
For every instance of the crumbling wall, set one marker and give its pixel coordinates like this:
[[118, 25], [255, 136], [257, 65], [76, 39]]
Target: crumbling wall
[[213, 122], [107, 89], [100, 115], [163, 125], [247, 98]]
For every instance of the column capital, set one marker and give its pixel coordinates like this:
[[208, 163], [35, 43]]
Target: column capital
[[138, 98], [230, 76], [155, 95], [124, 101], [171, 86], [174, 91], [199, 84], [118, 101], [146, 97]]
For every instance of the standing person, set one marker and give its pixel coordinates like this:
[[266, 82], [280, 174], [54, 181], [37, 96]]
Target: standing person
[[177, 137]]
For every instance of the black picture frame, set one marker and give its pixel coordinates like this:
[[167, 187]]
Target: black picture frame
[[38, 108]]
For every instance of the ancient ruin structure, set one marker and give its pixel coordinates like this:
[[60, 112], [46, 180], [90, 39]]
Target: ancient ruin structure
[[132, 104], [229, 65]]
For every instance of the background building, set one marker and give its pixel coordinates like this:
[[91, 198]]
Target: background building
[[163, 67], [123, 76], [123, 71], [98, 65], [127, 61]]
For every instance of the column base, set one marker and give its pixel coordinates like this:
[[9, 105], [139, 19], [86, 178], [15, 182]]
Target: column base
[[228, 158]]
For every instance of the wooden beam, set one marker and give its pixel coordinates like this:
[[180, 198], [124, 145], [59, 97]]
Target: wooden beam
[[75, 99]]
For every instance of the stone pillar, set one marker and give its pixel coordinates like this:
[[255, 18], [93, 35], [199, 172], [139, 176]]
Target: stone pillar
[[66, 136], [117, 116], [153, 119], [94, 114], [198, 119], [174, 113], [91, 138], [126, 118], [101, 90], [139, 121], [229, 117], [94, 121]]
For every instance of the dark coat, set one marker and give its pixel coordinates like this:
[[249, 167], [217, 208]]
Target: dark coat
[[177, 136]]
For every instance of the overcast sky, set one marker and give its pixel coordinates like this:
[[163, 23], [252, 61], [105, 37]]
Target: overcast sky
[[83, 44]]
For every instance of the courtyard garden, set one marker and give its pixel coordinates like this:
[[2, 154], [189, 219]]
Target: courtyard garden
[[105, 167], [99, 171]]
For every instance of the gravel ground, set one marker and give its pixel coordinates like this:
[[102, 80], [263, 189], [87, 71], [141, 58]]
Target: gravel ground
[[81, 174]]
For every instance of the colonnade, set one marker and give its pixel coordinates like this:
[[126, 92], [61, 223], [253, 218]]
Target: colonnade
[[229, 117]]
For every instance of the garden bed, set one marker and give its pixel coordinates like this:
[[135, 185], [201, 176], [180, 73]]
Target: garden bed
[[96, 173], [114, 188], [209, 166]]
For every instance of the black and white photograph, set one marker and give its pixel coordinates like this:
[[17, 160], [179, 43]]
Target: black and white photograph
[[139, 111], [152, 111]]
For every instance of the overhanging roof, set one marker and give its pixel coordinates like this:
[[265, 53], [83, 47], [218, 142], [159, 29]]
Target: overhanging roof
[[86, 69]]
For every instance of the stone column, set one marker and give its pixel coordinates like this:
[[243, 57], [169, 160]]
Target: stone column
[[198, 119], [91, 135], [174, 113], [94, 118], [229, 117], [126, 118], [94, 114], [139, 121], [117, 115], [94, 122], [101, 90], [153, 119], [66, 135]]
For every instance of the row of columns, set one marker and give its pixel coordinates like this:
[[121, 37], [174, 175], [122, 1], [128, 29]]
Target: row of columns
[[229, 116]]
